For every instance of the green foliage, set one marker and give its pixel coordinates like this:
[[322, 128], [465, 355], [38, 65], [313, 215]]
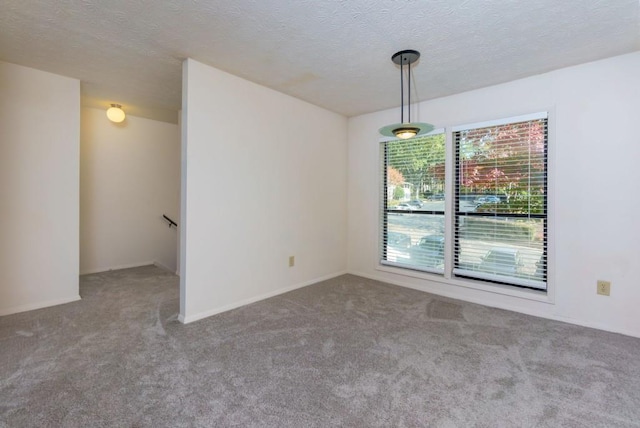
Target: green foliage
[[522, 203], [519, 203], [482, 228], [420, 161], [506, 160], [398, 193]]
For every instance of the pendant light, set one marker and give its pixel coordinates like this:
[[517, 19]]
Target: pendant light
[[406, 129]]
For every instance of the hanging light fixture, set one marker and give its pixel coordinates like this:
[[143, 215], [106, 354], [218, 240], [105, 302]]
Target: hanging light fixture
[[115, 113], [406, 129]]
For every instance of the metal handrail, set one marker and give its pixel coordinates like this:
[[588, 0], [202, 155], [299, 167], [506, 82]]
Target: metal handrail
[[171, 222]]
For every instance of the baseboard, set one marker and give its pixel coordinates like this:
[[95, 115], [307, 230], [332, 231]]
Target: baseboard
[[488, 303], [38, 305], [125, 266], [163, 267], [191, 318]]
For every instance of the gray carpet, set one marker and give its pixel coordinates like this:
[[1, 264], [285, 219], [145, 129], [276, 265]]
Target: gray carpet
[[344, 352]]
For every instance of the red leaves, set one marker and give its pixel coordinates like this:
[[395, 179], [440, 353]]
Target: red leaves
[[502, 158], [394, 176]]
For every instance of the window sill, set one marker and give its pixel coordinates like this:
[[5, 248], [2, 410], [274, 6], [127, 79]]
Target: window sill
[[520, 293]]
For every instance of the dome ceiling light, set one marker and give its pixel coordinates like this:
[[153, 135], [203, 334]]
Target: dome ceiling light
[[115, 113], [406, 129]]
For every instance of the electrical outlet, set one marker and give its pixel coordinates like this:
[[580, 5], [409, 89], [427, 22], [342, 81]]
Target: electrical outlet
[[292, 261], [604, 287]]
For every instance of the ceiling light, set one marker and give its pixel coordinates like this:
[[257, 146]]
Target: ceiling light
[[115, 113], [406, 129]]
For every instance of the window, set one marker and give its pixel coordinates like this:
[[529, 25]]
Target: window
[[413, 203], [501, 171], [499, 215]]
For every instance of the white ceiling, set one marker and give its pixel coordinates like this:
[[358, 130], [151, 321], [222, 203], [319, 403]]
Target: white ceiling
[[332, 53]]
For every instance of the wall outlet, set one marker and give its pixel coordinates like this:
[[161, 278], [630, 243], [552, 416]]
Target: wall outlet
[[604, 287], [292, 261]]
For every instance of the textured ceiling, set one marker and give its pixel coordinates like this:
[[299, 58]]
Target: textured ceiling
[[332, 53]]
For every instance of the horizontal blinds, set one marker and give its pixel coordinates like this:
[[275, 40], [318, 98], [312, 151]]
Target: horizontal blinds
[[500, 223], [503, 121], [412, 203]]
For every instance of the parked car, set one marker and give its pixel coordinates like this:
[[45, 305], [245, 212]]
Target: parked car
[[403, 207], [437, 197], [487, 200], [398, 240], [416, 204], [429, 251], [398, 247], [502, 261]]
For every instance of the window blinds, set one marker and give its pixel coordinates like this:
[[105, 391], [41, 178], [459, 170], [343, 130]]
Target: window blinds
[[412, 203], [500, 219]]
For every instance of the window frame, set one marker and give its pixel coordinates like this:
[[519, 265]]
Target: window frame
[[456, 213], [384, 211], [439, 280]]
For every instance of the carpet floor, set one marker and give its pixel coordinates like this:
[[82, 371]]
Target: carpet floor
[[344, 352]]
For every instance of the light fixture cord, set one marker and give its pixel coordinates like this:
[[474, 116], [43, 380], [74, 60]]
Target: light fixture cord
[[401, 89], [409, 94]]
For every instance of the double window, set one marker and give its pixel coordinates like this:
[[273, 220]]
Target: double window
[[497, 212]]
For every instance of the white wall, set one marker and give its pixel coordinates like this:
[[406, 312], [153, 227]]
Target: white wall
[[595, 150], [264, 177], [39, 164], [129, 177]]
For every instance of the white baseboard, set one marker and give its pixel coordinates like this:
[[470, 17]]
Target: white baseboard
[[215, 311], [129, 266], [163, 267], [125, 266], [37, 305], [488, 303]]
